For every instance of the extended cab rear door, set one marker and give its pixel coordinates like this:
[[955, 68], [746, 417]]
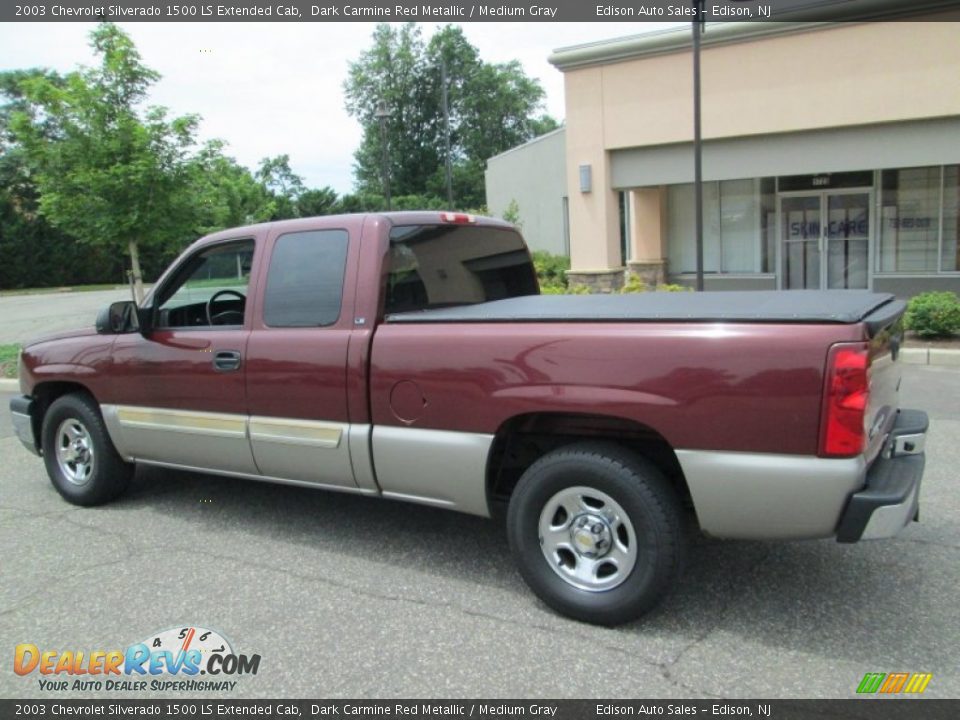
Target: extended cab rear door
[[300, 425]]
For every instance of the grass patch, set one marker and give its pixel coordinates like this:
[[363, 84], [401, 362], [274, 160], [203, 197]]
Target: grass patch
[[8, 360], [217, 282]]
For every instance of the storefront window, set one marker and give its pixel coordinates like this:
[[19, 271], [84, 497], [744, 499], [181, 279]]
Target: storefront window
[[739, 226], [681, 238], [951, 204], [909, 220], [739, 223], [768, 224]]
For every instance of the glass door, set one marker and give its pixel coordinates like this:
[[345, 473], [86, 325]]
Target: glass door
[[800, 230], [848, 240], [826, 240]]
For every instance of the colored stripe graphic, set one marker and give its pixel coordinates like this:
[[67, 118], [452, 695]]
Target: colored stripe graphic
[[871, 682], [894, 683], [918, 682]]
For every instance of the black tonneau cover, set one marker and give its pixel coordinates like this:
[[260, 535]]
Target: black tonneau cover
[[793, 306]]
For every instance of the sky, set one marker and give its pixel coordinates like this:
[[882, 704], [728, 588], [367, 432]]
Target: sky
[[276, 88]]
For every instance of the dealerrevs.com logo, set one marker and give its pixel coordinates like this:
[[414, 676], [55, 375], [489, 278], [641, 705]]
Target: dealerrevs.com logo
[[172, 660]]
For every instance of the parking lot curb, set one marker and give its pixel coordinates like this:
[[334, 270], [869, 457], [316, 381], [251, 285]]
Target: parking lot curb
[[931, 356], [9, 385], [940, 356]]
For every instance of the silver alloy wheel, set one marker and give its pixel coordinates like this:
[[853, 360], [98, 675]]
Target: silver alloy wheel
[[75, 451], [587, 538]]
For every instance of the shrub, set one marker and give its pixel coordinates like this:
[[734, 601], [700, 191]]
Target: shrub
[[559, 290], [673, 287], [635, 284], [934, 314], [512, 215], [551, 272]]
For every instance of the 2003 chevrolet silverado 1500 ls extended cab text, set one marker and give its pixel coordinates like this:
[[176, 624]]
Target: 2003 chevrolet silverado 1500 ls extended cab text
[[410, 356]]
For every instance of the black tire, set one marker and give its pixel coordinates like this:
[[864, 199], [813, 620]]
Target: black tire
[[655, 524], [97, 474]]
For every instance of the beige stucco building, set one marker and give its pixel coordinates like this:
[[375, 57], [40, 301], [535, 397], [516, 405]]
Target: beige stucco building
[[830, 157]]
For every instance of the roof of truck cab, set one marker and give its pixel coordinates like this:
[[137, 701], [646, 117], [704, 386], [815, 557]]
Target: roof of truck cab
[[400, 217], [796, 306]]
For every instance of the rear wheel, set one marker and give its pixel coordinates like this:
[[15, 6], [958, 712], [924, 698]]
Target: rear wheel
[[596, 532], [81, 461]]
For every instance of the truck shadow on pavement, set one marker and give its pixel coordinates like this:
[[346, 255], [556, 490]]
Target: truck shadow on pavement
[[818, 596]]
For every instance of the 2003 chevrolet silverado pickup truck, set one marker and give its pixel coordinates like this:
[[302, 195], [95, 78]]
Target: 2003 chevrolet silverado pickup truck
[[411, 356]]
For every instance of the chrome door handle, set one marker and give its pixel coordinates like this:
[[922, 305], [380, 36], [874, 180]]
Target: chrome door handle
[[226, 360]]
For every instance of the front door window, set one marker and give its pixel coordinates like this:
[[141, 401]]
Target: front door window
[[210, 289]]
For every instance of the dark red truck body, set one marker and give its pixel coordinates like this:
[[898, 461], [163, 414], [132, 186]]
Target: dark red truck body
[[427, 406]]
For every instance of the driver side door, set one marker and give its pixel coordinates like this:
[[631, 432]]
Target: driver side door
[[178, 394]]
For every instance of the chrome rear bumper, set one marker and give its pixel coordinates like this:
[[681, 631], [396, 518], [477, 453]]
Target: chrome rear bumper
[[891, 498]]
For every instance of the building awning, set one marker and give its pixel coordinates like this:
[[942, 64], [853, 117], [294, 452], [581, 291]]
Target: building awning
[[866, 147]]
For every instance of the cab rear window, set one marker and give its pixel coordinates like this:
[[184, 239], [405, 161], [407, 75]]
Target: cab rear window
[[437, 266]]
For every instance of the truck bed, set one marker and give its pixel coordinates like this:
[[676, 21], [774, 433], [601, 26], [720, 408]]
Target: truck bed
[[794, 306]]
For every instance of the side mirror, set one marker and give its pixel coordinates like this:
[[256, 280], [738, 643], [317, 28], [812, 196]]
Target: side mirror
[[119, 317], [144, 319]]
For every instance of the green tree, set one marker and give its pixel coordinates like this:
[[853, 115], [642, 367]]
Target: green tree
[[34, 253], [491, 109], [227, 192], [317, 201], [112, 174], [282, 184], [287, 194], [392, 72], [360, 202]]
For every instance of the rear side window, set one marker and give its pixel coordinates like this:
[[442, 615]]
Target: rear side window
[[437, 266], [305, 280]]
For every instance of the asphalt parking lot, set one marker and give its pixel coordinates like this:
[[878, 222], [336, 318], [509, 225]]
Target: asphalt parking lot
[[26, 316], [345, 596]]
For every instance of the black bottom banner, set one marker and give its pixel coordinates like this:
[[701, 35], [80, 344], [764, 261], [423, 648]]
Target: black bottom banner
[[868, 709]]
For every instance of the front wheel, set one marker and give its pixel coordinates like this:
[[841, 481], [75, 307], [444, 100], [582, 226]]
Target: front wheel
[[596, 532], [81, 461]]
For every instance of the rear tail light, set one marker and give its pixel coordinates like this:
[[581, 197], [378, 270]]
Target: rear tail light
[[846, 392], [458, 218]]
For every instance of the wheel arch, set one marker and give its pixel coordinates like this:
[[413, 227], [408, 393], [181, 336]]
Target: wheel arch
[[44, 394], [523, 439]]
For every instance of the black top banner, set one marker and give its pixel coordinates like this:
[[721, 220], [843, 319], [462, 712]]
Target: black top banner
[[469, 11]]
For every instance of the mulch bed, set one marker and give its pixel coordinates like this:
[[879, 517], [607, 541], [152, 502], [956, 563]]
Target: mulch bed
[[948, 343]]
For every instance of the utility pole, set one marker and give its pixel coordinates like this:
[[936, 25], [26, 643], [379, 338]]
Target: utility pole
[[697, 144], [382, 114], [446, 129]]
